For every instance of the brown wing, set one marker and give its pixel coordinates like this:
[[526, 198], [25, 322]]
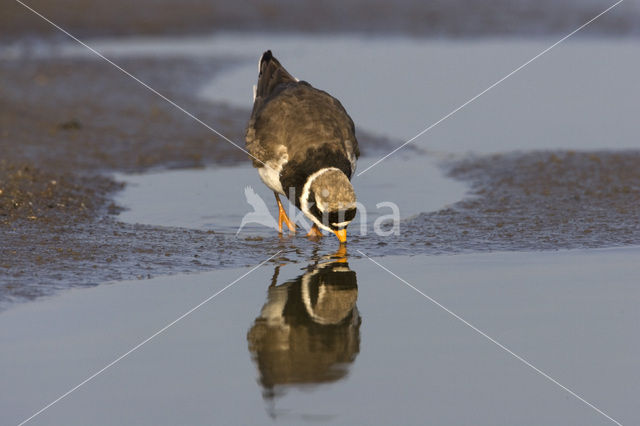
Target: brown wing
[[297, 116]]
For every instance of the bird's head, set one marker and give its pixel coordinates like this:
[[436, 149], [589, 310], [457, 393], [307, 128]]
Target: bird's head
[[329, 201]]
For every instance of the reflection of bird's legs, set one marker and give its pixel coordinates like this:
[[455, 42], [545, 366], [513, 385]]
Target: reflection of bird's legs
[[274, 279], [314, 254], [282, 217], [314, 231], [339, 256]]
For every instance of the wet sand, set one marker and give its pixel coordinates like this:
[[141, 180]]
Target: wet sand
[[65, 125], [534, 201], [540, 201]]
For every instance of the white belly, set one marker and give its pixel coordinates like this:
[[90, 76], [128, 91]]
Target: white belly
[[271, 178], [270, 172]]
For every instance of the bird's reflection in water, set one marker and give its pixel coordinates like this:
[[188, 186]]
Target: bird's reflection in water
[[308, 332]]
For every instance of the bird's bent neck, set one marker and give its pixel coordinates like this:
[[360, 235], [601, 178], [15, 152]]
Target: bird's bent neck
[[304, 196]]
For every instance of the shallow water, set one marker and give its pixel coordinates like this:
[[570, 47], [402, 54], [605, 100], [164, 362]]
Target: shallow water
[[217, 199], [397, 87], [339, 343], [580, 95]]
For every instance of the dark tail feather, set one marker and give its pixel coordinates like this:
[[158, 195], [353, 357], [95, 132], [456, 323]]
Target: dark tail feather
[[272, 73]]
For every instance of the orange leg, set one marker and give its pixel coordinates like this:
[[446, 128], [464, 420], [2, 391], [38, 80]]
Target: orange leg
[[282, 217], [314, 231]]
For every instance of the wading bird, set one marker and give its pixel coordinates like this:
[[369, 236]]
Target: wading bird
[[303, 143]]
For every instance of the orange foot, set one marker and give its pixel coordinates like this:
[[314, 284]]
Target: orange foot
[[314, 231], [282, 217]]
